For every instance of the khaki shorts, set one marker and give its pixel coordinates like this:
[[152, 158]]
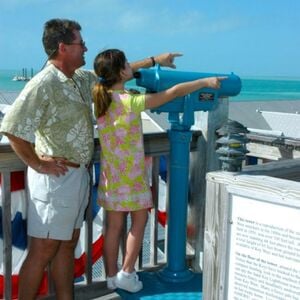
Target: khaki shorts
[[57, 204]]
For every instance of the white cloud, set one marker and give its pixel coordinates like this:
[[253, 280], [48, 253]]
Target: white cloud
[[132, 21], [171, 23]]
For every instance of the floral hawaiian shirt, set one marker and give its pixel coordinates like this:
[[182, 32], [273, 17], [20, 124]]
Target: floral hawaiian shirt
[[55, 113]]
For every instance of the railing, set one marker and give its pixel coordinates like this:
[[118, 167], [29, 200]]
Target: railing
[[156, 145], [271, 147], [9, 163]]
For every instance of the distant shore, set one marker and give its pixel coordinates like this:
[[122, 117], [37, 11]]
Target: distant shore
[[277, 105], [245, 112]]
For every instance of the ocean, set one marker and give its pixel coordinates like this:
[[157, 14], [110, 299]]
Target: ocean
[[253, 88]]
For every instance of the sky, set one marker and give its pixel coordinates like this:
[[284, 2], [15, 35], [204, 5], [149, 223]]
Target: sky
[[247, 37]]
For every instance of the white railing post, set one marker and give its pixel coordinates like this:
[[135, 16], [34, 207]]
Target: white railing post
[[7, 234], [202, 161]]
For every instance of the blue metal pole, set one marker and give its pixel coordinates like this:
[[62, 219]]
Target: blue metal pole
[[176, 269]]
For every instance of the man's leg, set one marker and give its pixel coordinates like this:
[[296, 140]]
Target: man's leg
[[40, 253], [62, 268]]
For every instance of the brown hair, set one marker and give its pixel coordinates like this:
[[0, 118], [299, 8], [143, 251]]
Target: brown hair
[[57, 31], [107, 65]]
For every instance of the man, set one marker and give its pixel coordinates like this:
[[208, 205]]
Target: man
[[50, 128]]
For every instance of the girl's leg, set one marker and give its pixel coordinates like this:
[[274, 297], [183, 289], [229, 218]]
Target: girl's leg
[[112, 235], [134, 239]]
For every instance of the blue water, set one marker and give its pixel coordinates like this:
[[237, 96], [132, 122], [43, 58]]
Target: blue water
[[253, 88], [269, 88], [6, 82]]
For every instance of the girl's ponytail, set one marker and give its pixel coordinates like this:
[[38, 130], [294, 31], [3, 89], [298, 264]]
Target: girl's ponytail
[[102, 99]]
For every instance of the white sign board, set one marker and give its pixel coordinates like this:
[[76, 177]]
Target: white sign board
[[264, 250]]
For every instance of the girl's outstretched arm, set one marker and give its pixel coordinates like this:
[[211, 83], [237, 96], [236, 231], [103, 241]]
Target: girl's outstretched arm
[[182, 89]]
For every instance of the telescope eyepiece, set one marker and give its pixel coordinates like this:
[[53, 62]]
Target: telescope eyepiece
[[137, 75]]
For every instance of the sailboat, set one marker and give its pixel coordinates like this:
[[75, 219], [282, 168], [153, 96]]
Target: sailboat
[[24, 76]]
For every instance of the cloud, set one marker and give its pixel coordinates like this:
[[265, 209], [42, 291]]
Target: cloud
[[171, 23], [222, 25], [131, 21]]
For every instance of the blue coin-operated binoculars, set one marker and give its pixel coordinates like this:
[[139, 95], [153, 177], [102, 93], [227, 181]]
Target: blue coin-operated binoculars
[[181, 117], [156, 80]]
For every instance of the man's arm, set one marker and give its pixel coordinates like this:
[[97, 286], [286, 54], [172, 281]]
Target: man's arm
[[25, 151], [164, 59], [27, 154]]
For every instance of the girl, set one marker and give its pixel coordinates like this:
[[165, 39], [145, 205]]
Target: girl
[[123, 186]]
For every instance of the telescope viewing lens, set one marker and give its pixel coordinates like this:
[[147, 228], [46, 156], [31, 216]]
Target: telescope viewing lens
[[137, 74]]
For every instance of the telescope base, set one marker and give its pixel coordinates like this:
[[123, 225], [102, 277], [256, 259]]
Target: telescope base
[[169, 276], [156, 288]]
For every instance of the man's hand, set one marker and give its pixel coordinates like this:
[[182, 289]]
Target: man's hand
[[164, 59], [167, 59]]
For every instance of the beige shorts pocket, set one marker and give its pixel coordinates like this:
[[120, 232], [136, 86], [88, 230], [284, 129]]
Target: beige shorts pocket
[[38, 185]]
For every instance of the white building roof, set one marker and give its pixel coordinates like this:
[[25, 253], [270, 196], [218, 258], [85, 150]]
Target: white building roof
[[287, 123]]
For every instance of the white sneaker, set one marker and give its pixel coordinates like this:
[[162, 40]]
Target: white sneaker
[[111, 282], [130, 282]]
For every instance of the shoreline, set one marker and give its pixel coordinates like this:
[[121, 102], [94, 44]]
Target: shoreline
[[233, 100], [248, 113]]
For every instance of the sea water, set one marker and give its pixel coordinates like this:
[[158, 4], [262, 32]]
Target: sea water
[[6, 81], [253, 88], [269, 89]]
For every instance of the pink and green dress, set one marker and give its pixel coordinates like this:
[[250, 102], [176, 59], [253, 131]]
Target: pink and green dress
[[123, 182]]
